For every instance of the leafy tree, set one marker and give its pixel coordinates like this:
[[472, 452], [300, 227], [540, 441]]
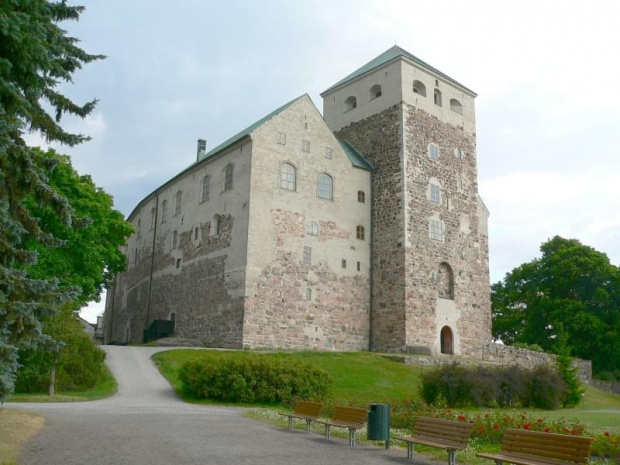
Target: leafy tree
[[571, 285], [573, 390], [35, 56], [87, 259], [91, 251]]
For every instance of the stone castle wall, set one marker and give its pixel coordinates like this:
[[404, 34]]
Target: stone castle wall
[[464, 247], [379, 139], [320, 303]]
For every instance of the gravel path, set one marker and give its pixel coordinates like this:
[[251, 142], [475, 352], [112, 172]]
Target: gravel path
[[146, 424]]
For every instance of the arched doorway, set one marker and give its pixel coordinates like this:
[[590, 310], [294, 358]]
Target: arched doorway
[[447, 340]]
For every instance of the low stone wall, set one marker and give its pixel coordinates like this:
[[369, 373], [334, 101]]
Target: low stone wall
[[607, 386], [497, 354], [510, 355]]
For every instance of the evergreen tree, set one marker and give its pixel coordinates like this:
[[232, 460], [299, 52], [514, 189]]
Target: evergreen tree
[[36, 55]]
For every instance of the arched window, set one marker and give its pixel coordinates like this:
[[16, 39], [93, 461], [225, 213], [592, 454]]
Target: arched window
[[312, 229], [360, 232], [361, 197], [350, 103], [175, 239], [446, 340], [228, 177], [288, 176], [206, 189], [456, 106], [437, 97], [216, 225], [177, 203], [445, 282], [326, 187], [164, 211], [375, 92], [419, 88]]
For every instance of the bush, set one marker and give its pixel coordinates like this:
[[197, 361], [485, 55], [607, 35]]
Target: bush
[[252, 378], [458, 386], [78, 363]]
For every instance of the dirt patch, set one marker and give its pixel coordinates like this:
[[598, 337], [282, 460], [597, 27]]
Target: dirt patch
[[16, 427]]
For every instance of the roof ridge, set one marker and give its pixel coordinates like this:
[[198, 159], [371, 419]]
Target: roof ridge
[[390, 54]]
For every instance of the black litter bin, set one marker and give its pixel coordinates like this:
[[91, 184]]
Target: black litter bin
[[379, 423]]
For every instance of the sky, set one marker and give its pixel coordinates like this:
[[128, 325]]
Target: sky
[[545, 72]]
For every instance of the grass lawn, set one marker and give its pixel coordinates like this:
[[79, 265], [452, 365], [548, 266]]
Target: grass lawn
[[16, 427], [106, 386], [360, 377]]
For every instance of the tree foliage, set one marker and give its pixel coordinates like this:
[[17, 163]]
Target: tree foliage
[[36, 55], [571, 286], [91, 251]]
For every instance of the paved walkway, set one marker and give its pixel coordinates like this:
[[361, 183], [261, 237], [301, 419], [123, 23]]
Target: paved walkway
[[146, 424]]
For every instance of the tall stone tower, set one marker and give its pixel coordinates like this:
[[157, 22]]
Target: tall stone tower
[[430, 273]]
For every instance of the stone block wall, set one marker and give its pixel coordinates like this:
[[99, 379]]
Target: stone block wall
[[464, 247], [379, 139]]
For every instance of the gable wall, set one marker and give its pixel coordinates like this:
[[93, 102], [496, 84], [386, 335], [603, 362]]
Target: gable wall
[[277, 312]]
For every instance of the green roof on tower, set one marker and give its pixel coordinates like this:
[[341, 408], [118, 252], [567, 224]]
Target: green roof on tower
[[393, 53]]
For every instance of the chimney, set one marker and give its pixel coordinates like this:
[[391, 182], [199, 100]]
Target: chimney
[[202, 149]]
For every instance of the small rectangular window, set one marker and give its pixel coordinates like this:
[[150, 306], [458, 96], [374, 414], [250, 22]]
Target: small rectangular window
[[305, 145], [435, 196], [178, 263], [344, 263], [196, 233], [308, 294], [458, 153], [359, 266], [281, 138], [174, 240], [135, 258], [329, 153], [307, 255], [433, 151], [436, 230]]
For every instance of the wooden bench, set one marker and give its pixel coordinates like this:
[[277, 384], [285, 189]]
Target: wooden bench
[[434, 432], [304, 410], [345, 417], [524, 447]]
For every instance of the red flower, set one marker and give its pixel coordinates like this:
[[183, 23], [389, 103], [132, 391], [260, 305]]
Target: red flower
[[540, 420], [526, 426], [575, 431], [606, 433], [495, 426], [461, 417], [547, 430]]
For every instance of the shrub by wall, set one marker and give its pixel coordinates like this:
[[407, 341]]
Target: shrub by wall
[[250, 378], [460, 386]]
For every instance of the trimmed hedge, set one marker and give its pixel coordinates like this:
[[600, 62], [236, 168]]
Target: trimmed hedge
[[458, 386], [253, 379]]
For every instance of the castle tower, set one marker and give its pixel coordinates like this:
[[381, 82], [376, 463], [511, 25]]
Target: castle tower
[[430, 273]]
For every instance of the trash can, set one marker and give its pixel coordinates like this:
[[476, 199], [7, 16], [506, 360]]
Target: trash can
[[379, 423]]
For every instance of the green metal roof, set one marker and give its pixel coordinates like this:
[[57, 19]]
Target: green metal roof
[[387, 56], [247, 131], [356, 158]]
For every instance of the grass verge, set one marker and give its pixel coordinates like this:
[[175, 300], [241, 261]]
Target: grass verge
[[16, 427], [106, 386]]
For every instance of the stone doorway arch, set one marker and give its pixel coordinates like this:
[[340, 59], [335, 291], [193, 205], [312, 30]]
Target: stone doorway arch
[[447, 340]]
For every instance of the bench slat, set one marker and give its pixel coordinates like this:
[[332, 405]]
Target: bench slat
[[307, 409], [536, 448]]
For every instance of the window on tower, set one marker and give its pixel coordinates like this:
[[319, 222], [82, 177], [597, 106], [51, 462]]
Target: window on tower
[[419, 88], [436, 230], [375, 92], [288, 177], [435, 193], [350, 104], [437, 97], [433, 151], [456, 106]]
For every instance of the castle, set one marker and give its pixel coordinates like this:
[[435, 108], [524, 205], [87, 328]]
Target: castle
[[358, 229]]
